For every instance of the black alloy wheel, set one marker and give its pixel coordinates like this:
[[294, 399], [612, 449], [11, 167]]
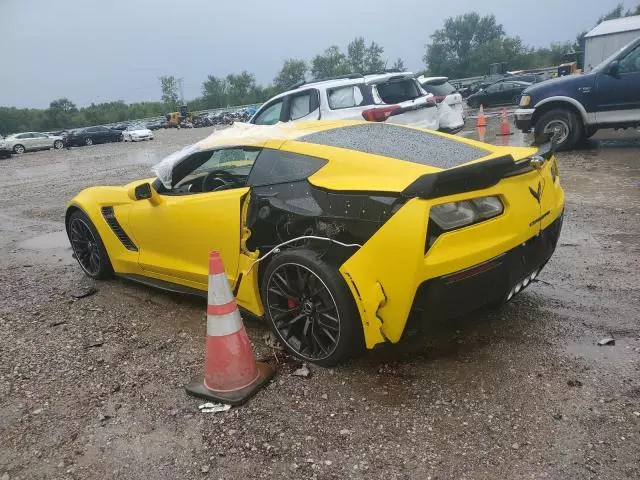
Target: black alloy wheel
[[311, 309], [87, 246], [84, 246], [88, 141], [304, 311]]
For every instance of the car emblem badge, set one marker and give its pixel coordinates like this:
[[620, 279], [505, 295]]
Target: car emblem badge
[[536, 193]]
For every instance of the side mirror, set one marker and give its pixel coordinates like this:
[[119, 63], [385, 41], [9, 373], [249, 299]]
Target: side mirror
[[142, 192], [614, 68]]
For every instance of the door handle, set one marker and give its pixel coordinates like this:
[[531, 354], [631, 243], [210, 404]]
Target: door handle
[[584, 89]]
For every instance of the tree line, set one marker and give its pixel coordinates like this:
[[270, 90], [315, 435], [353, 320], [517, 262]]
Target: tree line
[[465, 46]]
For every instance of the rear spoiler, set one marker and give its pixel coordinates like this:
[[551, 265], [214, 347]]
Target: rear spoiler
[[478, 176]]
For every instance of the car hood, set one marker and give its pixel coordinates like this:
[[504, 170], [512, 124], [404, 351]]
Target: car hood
[[559, 84]]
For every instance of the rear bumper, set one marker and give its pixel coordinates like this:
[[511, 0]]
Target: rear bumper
[[452, 130], [494, 281], [523, 119]]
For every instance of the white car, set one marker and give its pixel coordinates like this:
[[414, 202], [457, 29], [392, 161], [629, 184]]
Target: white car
[[136, 133], [450, 106], [22, 142], [396, 97]]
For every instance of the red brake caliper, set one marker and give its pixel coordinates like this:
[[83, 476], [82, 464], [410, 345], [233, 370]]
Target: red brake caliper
[[291, 303]]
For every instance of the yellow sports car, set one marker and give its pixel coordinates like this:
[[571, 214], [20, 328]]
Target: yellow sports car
[[338, 233]]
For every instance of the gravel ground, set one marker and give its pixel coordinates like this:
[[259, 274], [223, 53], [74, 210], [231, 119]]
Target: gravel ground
[[92, 388]]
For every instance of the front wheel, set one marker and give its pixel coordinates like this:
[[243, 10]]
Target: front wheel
[[310, 308], [88, 141], [563, 124], [18, 149], [58, 144], [87, 246]]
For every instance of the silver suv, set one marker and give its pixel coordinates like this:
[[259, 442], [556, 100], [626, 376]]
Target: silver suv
[[396, 97]]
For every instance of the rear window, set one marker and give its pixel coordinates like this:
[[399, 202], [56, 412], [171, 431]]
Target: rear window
[[398, 142], [440, 89], [396, 91]]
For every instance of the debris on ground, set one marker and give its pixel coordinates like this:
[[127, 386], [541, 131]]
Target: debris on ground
[[606, 341], [303, 371], [83, 292], [271, 341], [96, 344], [57, 323], [574, 383], [213, 407]]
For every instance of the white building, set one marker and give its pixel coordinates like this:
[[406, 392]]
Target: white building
[[607, 38]]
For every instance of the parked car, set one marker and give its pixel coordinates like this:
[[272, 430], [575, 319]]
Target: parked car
[[348, 228], [136, 133], [91, 135], [5, 151], [574, 107], [503, 92], [529, 77], [449, 100], [120, 126], [29, 141], [396, 97], [155, 124]]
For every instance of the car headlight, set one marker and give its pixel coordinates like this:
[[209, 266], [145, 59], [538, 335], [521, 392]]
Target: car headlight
[[452, 215], [525, 100]]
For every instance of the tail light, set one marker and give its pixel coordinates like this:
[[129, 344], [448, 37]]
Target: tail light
[[379, 114]]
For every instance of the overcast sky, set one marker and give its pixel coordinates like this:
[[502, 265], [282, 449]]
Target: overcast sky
[[101, 50]]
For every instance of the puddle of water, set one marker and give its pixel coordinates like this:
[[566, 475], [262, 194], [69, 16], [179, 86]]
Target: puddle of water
[[48, 248], [47, 241]]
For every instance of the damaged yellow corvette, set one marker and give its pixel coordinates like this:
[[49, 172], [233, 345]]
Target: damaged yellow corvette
[[339, 233]]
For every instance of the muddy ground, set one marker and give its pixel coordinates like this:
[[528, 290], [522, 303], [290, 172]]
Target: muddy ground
[[92, 388]]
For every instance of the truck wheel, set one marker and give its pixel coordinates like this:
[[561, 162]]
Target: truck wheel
[[564, 124], [310, 308]]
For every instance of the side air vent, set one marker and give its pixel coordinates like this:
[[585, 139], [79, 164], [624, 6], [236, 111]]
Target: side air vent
[[110, 218]]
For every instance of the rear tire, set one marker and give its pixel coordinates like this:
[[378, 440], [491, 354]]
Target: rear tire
[[310, 308], [565, 124], [87, 246], [88, 141], [58, 145], [19, 149]]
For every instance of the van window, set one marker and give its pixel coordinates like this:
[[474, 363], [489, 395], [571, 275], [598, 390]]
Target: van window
[[344, 97], [396, 91]]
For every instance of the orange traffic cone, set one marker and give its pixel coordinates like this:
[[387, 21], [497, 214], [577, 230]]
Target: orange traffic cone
[[481, 131], [231, 375], [481, 121], [505, 128]]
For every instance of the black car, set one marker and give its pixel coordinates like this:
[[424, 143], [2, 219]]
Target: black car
[[91, 135], [504, 92], [529, 77]]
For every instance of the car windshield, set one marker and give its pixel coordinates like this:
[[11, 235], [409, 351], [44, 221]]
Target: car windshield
[[136, 127], [602, 65]]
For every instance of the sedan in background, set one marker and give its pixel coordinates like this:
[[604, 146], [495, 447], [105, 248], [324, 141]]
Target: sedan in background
[[449, 101], [504, 92], [136, 133], [91, 135], [22, 142]]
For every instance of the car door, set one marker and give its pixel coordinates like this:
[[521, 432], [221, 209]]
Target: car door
[[177, 228], [492, 94], [617, 93], [344, 102], [40, 140]]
